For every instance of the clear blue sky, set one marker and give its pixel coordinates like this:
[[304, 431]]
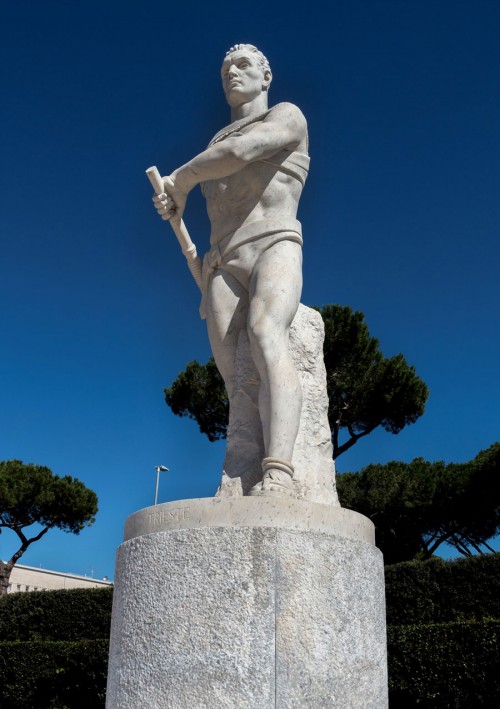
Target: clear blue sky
[[401, 219]]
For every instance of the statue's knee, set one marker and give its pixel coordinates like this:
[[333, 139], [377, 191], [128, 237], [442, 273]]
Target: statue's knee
[[266, 329], [263, 338]]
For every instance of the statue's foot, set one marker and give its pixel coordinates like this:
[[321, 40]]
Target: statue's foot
[[275, 482], [277, 478]]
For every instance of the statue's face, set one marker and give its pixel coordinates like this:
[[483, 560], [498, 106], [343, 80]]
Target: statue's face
[[242, 77]]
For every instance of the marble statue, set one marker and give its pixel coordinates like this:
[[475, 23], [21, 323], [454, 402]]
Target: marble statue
[[269, 593], [251, 175]]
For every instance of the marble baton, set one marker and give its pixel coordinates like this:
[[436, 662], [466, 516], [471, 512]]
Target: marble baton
[[180, 231]]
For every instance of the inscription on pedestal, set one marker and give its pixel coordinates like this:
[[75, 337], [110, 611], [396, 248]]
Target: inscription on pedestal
[[176, 514]]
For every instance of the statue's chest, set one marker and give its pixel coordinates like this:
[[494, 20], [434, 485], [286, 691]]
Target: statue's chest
[[242, 186]]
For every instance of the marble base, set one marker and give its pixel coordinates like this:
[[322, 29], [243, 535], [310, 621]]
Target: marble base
[[247, 603]]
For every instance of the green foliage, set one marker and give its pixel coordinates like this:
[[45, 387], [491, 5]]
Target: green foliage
[[445, 665], [419, 505], [434, 662], [53, 675], [438, 591], [71, 614], [435, 665], [365, 389], [200, 394], [56, 653], [32, 494]]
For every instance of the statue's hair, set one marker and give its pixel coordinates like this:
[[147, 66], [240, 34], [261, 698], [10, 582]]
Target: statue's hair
[[264, 64]]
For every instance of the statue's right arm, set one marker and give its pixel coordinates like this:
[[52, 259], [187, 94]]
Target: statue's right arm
[[284, 127]]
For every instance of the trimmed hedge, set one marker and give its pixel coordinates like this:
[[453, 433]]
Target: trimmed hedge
[[447, 665], [72, 614], [442, 663], [433, 591], [438, 591], [53, 675]]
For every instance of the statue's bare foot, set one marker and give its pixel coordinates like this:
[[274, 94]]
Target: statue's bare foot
[[277, 478]]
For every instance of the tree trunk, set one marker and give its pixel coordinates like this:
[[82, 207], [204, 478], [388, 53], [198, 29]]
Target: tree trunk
[[5, 571], [338, 450], [6, 568]]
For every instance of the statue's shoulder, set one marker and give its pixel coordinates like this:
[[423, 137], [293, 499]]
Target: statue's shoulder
[[286, 110], [290, 116]]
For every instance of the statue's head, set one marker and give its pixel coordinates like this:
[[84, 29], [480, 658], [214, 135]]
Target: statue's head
[[245, 74]]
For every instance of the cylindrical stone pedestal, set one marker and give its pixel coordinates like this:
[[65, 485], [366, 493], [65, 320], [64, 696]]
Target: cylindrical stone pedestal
[[248, 602]]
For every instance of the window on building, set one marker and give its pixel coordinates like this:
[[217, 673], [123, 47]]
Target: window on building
[[27, 587], [18, 586]]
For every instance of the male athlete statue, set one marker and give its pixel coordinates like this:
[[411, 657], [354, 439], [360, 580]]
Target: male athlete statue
[[251, 175]]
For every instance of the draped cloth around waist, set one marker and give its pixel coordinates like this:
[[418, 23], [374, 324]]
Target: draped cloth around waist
[[266, 232]]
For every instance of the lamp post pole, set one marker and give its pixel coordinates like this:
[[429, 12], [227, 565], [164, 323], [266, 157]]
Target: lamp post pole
[[159, 469]]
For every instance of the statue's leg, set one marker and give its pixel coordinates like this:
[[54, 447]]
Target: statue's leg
[[227, 313], [275, 289]]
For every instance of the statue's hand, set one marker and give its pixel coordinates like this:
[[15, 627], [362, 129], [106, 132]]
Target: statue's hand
[[165, 206], [177, 194], [170, 204]]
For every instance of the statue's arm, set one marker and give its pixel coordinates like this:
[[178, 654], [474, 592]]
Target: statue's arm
[[284, 127]]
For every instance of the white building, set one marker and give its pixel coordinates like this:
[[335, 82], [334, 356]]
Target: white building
[[30, 578]]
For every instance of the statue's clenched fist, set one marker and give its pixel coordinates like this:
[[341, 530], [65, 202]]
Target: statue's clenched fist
[[170, 203], [165, 206]]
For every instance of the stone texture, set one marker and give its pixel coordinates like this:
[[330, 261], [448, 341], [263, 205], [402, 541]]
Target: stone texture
[[271, 511], [247, 617], [314, 477], [330, 623], [193, 623]]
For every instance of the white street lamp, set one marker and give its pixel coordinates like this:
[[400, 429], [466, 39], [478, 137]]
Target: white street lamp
[[159, 469]]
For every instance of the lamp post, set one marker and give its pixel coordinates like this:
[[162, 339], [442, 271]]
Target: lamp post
[[159, 469]]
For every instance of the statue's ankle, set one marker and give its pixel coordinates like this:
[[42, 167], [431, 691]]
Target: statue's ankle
[[277, 478]]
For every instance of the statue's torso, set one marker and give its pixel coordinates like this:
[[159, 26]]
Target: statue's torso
[[260, 190]]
